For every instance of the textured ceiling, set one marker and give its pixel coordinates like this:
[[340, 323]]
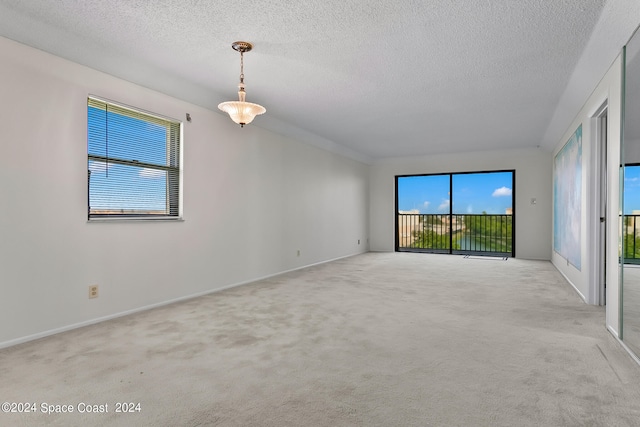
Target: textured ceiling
[[381, 78]]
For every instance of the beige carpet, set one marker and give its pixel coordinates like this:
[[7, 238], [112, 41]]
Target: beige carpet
[[391, 339]]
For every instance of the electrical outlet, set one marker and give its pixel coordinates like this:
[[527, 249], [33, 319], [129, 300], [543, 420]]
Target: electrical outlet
[[93, 291]]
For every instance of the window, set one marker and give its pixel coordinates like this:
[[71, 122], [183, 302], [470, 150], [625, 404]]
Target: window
[[133, 162], [461, 213]]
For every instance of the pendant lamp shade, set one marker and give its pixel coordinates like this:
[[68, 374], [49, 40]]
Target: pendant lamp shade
[[240, 111]]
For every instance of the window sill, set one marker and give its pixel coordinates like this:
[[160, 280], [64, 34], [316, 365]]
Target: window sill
[[133, 219]]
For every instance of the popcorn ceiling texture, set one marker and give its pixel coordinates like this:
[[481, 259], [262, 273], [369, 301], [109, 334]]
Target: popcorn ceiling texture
[[383, 78]]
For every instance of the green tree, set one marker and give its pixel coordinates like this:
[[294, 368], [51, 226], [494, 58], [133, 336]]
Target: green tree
[[429, 239], [435, 234], [494, 232], [631, 247]]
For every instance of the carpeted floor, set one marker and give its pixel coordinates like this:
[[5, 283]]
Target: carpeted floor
[[380, 339]]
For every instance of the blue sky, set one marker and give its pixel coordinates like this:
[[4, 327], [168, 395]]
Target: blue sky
[[472, 193], [145, 188], [631, 189]]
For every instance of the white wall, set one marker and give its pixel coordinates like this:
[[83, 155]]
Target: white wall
[[533, 180], [252, 198], [608, 90], [632, 151]]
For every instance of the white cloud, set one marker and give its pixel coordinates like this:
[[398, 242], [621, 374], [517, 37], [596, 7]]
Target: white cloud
[[426, 204], [444, 205], [501, 192], [99, 167], [469, 209], [151, 173]]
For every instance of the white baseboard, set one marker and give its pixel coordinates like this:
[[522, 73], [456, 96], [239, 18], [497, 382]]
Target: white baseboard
[[89, 322], [571, 283]]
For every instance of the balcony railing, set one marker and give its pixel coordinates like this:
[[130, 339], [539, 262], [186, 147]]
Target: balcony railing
[[631, 232], [461, 234]]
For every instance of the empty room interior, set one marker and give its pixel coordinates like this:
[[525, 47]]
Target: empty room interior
[[351, 213]]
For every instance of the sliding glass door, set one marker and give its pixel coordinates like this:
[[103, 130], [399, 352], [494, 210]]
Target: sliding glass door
[[462, 213]]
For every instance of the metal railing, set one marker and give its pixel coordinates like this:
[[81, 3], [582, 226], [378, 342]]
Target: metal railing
[[461, 234], [631, 238]]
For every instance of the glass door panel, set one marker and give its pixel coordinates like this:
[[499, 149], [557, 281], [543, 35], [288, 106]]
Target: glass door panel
[[483, 212], [423, 213]]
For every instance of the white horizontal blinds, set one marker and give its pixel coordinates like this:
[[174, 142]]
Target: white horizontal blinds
[[133, 162]]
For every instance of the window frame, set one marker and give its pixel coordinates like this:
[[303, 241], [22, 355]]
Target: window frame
[[451, 214], [174, 154]]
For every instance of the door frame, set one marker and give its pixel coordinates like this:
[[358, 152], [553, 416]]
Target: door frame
[[599, 203]]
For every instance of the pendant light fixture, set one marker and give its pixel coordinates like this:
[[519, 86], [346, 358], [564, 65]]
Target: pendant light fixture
[[240, 111]]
